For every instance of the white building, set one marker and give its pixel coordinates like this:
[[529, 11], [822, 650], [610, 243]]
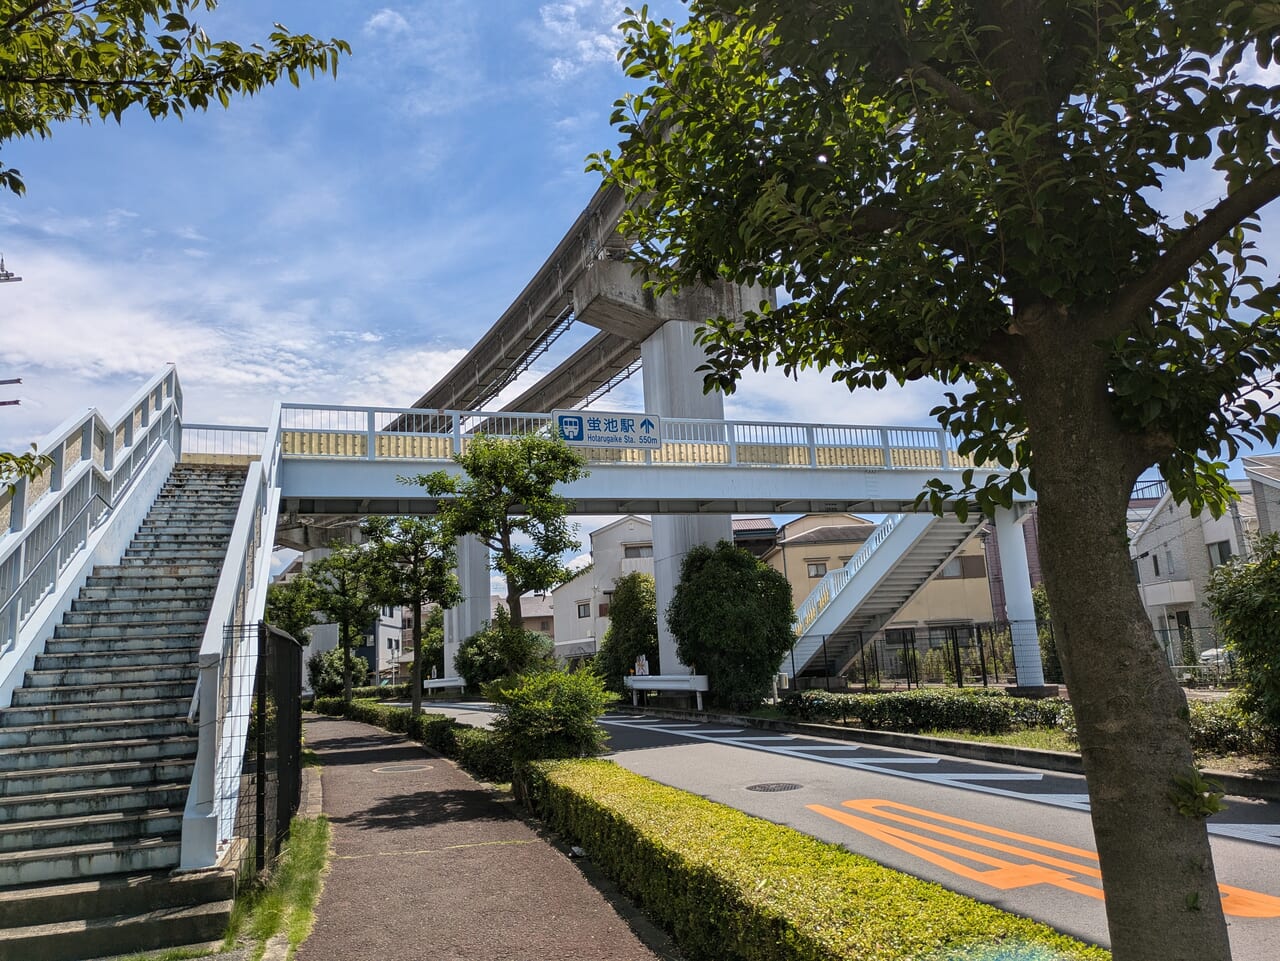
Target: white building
[[1173, 554], [581, 606]]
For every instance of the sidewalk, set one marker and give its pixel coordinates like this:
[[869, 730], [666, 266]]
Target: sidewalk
[[426, 863]]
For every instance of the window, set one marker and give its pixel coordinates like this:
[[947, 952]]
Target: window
[[1155, 564], [584, 609], [604, 610], [544, 625], [637, 550], [1137, 571], [817, 568], [951, 569], [1219, 553], [1168, 562]]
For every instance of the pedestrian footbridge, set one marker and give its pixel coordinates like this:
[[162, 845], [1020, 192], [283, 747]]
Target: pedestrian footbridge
[[312, 462]]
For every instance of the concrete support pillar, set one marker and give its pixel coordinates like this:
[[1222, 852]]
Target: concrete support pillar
[[669, 359], [471, 613], [1018, 603]]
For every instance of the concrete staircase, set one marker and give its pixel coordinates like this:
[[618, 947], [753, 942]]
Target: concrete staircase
[[96, 754]]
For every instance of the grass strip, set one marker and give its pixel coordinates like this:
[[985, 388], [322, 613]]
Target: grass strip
[[730, 886], [286, 904]]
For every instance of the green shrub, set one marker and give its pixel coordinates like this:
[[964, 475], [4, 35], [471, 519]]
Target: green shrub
[[324, 672], [731, 616], [550, 715], [977, 710], [1225, 727], [632, 631], [729, 886], [386, 692], [482, 754], [500, 649]]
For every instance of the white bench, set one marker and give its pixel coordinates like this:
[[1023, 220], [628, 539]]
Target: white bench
[[440, 683], [697, 683]]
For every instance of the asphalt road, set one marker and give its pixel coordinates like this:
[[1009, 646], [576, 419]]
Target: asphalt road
[[1013, 837]]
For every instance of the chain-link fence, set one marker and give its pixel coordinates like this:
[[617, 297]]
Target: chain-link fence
[[265, 712]]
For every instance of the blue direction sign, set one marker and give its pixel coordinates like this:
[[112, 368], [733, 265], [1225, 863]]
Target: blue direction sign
[[584, 428]]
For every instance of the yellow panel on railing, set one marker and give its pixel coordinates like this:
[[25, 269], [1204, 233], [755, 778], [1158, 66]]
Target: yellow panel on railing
[[790, 455], [850, 457], [322, 444], [414, 447], [692, 452], [71, 452], [227, 460], [915, 457]]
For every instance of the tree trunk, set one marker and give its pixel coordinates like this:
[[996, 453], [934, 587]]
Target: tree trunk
[[344, 638], [513, 608], [1162, 898], [415, 699]]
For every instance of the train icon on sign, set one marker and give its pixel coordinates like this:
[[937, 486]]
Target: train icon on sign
[[570, 427]]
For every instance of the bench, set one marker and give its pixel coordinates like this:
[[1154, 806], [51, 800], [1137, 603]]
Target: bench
[[694, 683]]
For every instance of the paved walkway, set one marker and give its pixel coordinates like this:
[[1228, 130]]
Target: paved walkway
[[428, 864]]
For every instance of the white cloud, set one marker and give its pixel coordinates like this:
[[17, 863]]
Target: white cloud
[[387, 22], [583, 33]]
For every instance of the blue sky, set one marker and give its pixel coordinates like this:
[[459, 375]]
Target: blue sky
[[345, 242]]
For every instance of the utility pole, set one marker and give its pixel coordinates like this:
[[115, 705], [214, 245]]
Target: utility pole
[[11, 380], [7, 277]]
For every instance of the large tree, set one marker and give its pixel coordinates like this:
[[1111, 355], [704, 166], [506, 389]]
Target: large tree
[[418, 566], [632, 630], [348, 590], [971, 191], [80, 60], [508, 500]]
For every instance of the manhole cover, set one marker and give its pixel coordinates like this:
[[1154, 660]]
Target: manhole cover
[[774, 786]]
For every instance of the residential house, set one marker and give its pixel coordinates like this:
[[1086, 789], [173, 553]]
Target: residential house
[[581, 605], [1173, 554]]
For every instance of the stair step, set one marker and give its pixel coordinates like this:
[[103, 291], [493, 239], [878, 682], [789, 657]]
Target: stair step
[[131, 797], [111, 897], [72, 618], [96, 640], [174, 555], [93, 713], [105, 692], [122, 672], [155, 571], [89, 776], [202, 925], [143, 604], [125, 730], [87, 860], [100, 584], [43, 757], [89, 829], [134, 593]]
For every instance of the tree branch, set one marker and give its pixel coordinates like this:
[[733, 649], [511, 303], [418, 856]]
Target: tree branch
[[956, 97], [1139, 294]]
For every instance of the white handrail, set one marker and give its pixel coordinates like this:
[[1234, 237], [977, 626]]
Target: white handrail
[[831, 585], [90, 457], [227, 660]]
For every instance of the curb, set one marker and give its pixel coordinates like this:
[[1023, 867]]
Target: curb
[[1235, 785]]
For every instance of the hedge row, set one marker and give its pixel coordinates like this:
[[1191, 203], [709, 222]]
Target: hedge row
[[473, 748], [729, 886], [1217, 727], [980, 711], [385, 692]]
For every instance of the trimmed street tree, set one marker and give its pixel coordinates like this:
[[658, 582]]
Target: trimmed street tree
[[967, 190], [348, 592], [66, 60], [1244, 598], [508, 496], [418, 565], [291, 606], [731, 615], [632, 631]]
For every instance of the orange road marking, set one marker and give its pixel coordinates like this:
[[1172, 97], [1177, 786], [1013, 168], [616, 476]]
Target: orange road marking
[[1046, 868]]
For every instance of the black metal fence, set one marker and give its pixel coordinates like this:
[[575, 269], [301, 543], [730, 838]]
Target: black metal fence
[[265, 715], [962, 655]]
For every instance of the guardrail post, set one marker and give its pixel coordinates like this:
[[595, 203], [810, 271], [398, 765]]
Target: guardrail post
[[55, 473], [18, 506], [884, 447], [942, 448], [86, 440], [811, 440], [457, 431], [371, 438]]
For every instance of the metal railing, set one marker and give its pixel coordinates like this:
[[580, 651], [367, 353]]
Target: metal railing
[[830, 586], [227, 662], [92, 461], [218, 444], [382, 433]]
